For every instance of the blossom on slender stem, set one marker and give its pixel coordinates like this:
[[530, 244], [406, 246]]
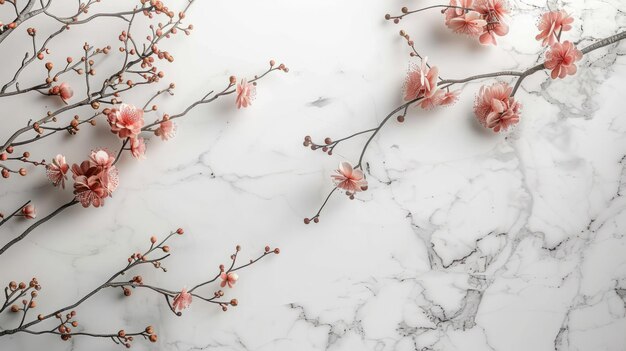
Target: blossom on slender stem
[[421, 82], [65, 91], [228, 279], [57, 170], [95, 179], [166, 129], [471, 24], [561, 59], [138, 148], [551, 25], [495, 108], [494, 12], [450, 97], [245, 93], [126, 121], [182, 300], [29, 212], [349, 179]]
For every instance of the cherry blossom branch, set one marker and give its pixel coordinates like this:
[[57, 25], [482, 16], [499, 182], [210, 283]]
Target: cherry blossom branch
[[405, 11], [110, 85], [15, 291], [210, 97], [5, 219], [37, 224], [329, 145]]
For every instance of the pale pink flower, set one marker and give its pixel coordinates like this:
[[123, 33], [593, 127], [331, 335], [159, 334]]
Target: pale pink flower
[[228, 279], [495, 108], [65, 91], [101, 158], [349, 179], [29, 212], [432, 101], [95, 179], [458, 10], [551, 25], [494, 12], [57, 170], [166, 129], [450, 97], [421, 82], [126, 121], [497, 9], [182, 300], [561, 59], [245, 93], [138, 147], [471, 24]]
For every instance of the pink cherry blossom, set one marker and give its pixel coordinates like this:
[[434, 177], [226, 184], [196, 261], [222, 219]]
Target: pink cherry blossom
[[182, 300], [495, 108], [349, 179], [432, 101], [458, 9], [57, 170], [245, 93], [471, 24], [551, 25], [421, 82], [126, 121], [95, 179], [228, 279], [450, 97], [494, 12], [137, 147], [166, 129], [65, 91], [29, 212], [101, 158], [561, 59]]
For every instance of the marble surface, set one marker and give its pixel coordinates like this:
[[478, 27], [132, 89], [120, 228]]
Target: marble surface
[[466, 240]]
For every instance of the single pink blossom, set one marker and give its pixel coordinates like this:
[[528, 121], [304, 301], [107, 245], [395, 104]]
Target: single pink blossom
[[228, 279], [561, 59], [29, 212], [138, 147], [450, 97], [101, 158], [95, 179], [166, 129], [494, 12], [551, 25], [65, 91], [126, 121], [57, 170], [182, 300], [493, 9], [245, 93], [421, 82], [349, 179], [432, 101], [495, 108], [458, 9], [471, 24]]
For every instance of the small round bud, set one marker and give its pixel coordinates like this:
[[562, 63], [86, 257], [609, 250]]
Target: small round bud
[[233, 80], [153, 239], [149, 329], [234, 302], [180, 231], [121, 333], [153, 338], [49, 66]]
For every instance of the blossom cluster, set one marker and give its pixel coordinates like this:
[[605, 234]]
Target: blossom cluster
[[483, 19]]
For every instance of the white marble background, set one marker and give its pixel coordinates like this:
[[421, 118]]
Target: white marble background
[[466, 240]]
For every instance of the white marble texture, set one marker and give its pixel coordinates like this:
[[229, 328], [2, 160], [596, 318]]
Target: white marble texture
[[466, 240]]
